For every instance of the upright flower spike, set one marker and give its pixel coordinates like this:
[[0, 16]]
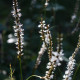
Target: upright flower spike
[[71, 63], [18, 28], [59, 42], [48, 40], [44, 45], [59, 49], [70, 67], [50, 68], [42, 29], [11, 73], [46, 36]]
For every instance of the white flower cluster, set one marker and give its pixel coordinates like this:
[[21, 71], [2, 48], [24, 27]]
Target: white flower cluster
[[46, 3], [42, 25], [48, 36], [16, 12], [18, 27], [59, 44], [73, 17], [69, 70], [45, 33], [54, 62], [47, 76], [57, 58]]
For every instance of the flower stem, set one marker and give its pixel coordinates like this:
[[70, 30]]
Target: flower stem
[[74, 77], [33, 76], [20, 68]]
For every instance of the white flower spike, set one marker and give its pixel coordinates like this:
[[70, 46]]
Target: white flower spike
[[18, 28]]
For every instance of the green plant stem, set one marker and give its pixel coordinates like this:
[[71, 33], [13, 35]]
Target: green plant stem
[[20, 68], [60, 71], [33, 76], [76, 72]]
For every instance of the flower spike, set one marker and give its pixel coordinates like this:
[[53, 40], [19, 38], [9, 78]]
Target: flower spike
[[71, 63], [18, 28]]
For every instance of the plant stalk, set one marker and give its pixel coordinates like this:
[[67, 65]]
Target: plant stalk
[[20, 68]]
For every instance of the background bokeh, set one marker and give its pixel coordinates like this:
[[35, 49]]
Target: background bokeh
[[58, 15]]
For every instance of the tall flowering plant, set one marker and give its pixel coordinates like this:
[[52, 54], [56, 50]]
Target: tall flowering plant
[[18, 32]]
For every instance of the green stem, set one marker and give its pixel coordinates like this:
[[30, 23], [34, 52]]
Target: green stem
[[76, 72], [20, 68], [60, 71], [33, 76], [44, 12]]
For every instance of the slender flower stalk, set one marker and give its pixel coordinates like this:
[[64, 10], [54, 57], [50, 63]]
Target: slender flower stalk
[[77, 27], [11, 73], [73, 17], [44, 45], [42, 31], [18, 28], [71, 63], [48, 40], [59, 49], [59, 42], [70, 67], [46, 36], [18, 32]]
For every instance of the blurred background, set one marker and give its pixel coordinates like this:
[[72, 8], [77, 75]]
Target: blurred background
[[63, 17]]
